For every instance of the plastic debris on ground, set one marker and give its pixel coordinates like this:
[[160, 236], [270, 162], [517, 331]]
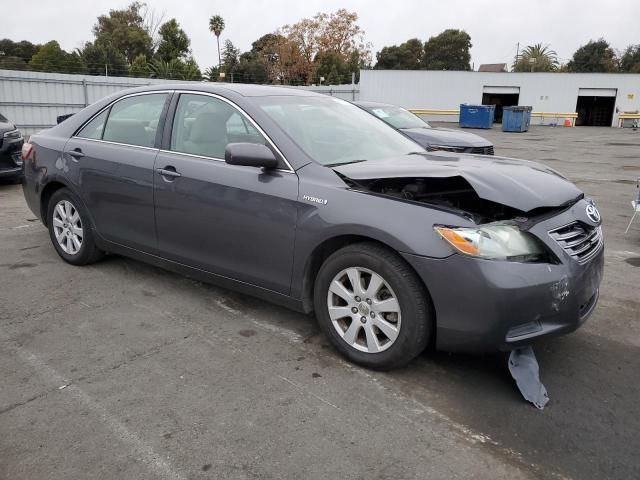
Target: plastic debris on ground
[[524, 369]]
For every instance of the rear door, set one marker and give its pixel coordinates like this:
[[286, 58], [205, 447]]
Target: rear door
[[231, 220], [115, 152]]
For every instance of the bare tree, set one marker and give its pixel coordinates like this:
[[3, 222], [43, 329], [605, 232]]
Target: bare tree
[[152, 20]]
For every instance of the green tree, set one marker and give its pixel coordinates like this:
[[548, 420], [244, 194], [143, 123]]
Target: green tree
[[265, 43], [174, 42], [10, 62], [251, 69], [536, 58], [16, 55], [190, 70], [448, 51], [125, 31], [100, 53], [267, 52], [630, 60], [173, 69], [406, 56], [595, 56], [333, 68], [212, 74], [52, 58], [23, 49], [216, 26], [139, 67], [230, 56]]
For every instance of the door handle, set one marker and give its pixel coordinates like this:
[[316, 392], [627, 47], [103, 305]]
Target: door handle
[[168, 171], [76, 153]]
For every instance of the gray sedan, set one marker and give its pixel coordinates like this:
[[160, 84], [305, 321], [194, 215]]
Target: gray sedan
[[431, 138], [310, 202]]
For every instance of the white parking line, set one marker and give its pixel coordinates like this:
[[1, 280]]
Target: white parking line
[[159, 465]]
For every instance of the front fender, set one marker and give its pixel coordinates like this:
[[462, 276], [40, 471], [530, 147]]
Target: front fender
[[402, 226]]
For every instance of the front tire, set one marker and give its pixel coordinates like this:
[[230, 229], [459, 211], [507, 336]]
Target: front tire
[[372, 306], [70, 230]]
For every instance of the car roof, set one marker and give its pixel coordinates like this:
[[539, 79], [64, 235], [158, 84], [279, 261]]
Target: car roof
[[246, 90]]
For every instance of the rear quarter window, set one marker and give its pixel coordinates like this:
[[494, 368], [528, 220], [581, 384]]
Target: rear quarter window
[[94, 128]]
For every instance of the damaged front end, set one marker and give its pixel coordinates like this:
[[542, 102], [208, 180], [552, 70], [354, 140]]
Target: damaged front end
[[501, 232], [482, 190], [453, 194], [545, 252]]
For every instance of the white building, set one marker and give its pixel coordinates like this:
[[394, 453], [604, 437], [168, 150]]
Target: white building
[[597, 98]]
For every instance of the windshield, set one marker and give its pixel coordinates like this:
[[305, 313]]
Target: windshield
[[332, 131], [3, 119], [398, 117]]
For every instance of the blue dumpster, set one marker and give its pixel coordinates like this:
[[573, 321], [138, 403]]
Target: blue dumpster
[[476, 116], [516, 119]]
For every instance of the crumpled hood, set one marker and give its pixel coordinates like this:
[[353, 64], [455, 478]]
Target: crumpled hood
[[6, 127], [518, 184], [445, 136]]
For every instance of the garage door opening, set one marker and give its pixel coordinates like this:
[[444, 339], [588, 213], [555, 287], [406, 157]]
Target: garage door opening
[[595, 107], [500, 97]]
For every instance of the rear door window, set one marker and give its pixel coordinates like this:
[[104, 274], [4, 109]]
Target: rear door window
[[134, 120]]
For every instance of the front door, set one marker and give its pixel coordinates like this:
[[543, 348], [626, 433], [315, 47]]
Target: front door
[[234, 221]]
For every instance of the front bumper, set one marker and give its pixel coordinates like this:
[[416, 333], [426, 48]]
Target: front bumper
[[485, 305], [10, 157]]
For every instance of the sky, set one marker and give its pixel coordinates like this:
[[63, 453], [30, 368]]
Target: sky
[[495, 26]]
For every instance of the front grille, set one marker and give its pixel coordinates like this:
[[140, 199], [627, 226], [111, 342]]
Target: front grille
[[481, 150], [579, 240]]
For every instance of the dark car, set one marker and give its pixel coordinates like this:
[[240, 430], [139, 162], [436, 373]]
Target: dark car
[[10, 149], [310, 202], [431, 138]]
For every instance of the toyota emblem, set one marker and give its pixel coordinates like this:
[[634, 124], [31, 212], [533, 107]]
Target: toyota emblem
[[593, 213]]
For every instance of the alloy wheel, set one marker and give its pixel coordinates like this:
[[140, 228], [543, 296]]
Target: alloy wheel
[[67, 227], [364, 309]]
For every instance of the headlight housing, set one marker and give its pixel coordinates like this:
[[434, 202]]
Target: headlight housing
[[13, 134], [495, 242]]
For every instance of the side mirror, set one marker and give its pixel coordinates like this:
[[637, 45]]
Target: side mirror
[[250, 155]]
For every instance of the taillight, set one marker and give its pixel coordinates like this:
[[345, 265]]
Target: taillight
[[27, 148]]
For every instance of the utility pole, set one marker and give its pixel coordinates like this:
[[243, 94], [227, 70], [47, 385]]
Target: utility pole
[[517, 53], [106, 70], [353, 86]]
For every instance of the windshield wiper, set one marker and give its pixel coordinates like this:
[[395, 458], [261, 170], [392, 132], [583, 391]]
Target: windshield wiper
[[343, 163]]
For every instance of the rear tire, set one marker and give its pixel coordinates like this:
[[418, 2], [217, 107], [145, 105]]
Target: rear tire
[[383, 323], [70, 229]]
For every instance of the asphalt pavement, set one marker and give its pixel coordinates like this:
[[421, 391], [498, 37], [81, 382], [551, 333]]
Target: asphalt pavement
[[123, 370]]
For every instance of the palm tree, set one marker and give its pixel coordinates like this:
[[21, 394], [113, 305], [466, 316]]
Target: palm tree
[[161, 69], [537, 58], [216, 26]]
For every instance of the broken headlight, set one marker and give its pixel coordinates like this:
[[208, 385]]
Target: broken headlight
[[12, 135], [496, 242]]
